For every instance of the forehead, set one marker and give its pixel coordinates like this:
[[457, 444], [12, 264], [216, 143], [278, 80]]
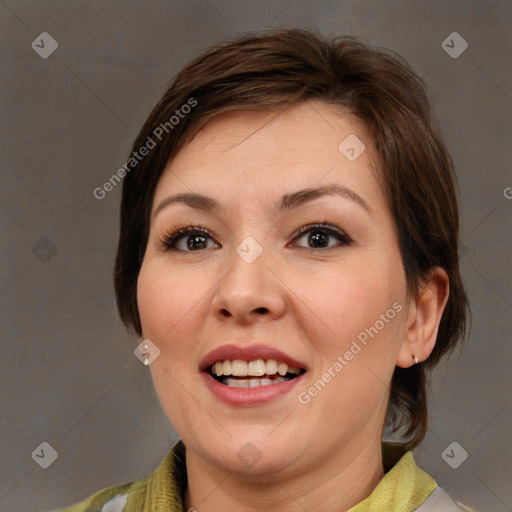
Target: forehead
[[305, 145]]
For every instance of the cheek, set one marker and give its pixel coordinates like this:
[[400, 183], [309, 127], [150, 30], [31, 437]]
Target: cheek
[[170, 303], [353, 320], [337, 305], [172, 307]]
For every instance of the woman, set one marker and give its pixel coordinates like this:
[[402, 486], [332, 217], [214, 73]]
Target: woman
[[288, 256]]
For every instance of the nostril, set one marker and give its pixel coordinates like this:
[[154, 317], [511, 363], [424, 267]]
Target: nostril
[[259, 311]]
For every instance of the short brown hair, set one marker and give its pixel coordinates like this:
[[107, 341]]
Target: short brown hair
[[279, 68]]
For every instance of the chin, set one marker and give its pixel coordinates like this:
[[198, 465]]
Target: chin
[[250, 456]]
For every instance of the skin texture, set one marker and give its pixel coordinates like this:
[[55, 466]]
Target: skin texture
[[310, 304]]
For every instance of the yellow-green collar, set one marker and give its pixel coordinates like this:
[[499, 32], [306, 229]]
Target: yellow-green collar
[[404, 487]]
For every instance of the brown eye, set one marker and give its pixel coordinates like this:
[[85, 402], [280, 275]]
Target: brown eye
[[188, 239], [321, 236]]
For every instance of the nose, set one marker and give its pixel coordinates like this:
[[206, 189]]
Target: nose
[[249, 292]]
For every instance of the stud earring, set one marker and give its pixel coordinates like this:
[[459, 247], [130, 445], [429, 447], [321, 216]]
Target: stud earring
[[146, 355], [415, 359]]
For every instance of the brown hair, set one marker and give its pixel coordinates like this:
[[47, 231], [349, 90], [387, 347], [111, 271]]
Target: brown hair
[[276, 69]]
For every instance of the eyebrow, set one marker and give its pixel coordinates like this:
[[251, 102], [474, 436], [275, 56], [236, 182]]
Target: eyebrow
[[287, 202]]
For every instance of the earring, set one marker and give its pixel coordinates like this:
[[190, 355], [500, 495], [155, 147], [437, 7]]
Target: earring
[[415, 359], [145, 353]]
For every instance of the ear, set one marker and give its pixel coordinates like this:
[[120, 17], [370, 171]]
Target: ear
[[423, 318]]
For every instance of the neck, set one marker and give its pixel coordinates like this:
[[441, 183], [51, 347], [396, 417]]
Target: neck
[[337, 484]]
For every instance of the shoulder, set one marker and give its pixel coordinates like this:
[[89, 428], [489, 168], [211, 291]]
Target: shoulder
[[164, 487], [421, 490], [439, 499], [111, 499]]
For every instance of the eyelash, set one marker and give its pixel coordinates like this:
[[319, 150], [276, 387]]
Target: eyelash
[[170, 238]]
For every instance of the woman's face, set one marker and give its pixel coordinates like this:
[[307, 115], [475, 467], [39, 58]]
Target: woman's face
[[251, 281]]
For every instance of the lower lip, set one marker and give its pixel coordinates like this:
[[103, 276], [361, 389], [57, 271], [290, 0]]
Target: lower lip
[[247, 397]]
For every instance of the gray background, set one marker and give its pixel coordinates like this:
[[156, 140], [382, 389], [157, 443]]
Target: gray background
[[67, 371]]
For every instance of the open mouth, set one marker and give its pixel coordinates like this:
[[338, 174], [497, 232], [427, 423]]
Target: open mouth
[[250, 374]]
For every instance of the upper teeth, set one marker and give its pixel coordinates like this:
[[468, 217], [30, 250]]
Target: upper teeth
[[256, 368]]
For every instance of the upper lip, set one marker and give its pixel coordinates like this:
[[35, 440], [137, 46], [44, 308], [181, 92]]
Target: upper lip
[[250, 353]]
